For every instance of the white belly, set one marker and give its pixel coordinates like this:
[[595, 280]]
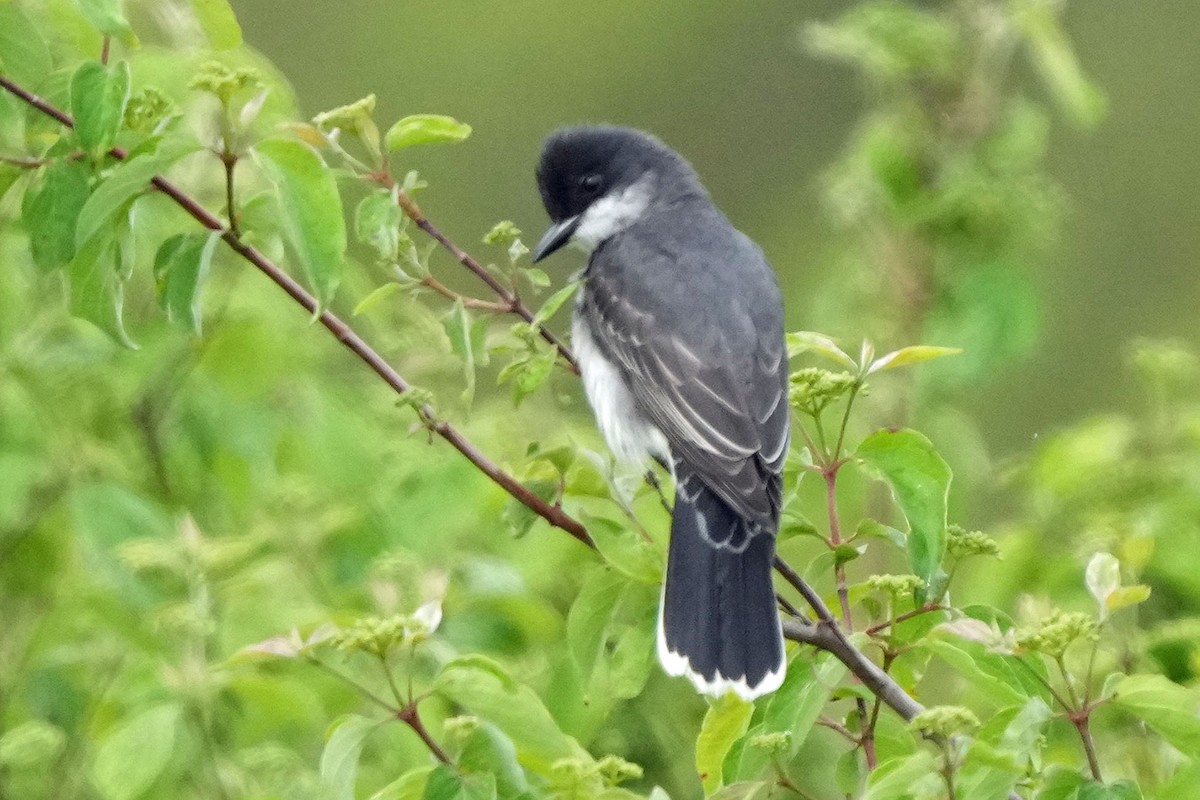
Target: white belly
[[632, 438]]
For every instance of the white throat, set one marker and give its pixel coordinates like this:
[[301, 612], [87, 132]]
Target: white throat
[[612, 214]]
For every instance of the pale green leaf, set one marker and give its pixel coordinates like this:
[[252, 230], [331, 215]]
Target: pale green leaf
[[911, 355], [446, 783], [633, 657], [219, 22], [23, 51], [180, 268], [514, 709], [724, 723], [124, 184], [589, 616], [624, 549], [488, 751], [1127, 596], [50, 211], [339, 759], [903, 777], [1170, 709], [377, 296], [425, 129], [554, 303], [377, 224], [467, 342], [969, 659], [409, 786], [107, 17], [131, 759], [313, 221], [98, 98], [920, 482], [743, 790], [808, 342], [96, 289]]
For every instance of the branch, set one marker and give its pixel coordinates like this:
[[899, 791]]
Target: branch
[[830, 638]]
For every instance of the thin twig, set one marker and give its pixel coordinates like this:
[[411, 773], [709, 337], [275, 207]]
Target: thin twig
[[508, 298], [409, 716], [445, 291], [807, 592], [916, 612], [363, 690], [1082, 725], [835, 540], [834, 725]]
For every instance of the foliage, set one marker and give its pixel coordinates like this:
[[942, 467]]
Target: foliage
[[220, 579]]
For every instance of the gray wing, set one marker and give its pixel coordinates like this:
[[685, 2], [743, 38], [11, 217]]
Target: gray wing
[[701, 345]]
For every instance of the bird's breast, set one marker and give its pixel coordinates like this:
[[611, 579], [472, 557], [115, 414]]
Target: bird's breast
[[632, 438]]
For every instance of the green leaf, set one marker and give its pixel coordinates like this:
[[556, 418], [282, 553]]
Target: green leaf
[[106, 16], [969, 659], [409, 786], [724, 723], [793, 709], [446, 783], [554, 303], [1127, 596], [114, 195], [339, 759], [488, 751], [219, 23], [425, 129], [902, 777], [589, 617], [180, 268], [50, 211], [911, 355], [98, 98], [745, 790], [514, 709], [97, 292], [312, 211], [377, 296], [1121, 790], [1060, 783], [624, 549], [633, 657], [133, 757], [808, 342], [377, 223], [23, 51], [467, 341], [920, 481], [1170, 709]]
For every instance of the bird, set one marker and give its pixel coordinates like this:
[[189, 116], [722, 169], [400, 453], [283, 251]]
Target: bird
[[678, 331]]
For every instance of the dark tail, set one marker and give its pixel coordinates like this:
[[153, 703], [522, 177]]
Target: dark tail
[[718, 623]]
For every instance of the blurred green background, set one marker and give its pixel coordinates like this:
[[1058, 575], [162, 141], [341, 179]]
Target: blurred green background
[[731, 86]]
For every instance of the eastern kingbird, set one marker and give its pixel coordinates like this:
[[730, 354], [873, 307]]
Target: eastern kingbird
[[678, 330]]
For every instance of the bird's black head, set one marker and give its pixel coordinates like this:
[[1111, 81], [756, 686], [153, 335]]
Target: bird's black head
[[583, 166]]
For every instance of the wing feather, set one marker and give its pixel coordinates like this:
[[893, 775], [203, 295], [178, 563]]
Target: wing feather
[[701, 346]]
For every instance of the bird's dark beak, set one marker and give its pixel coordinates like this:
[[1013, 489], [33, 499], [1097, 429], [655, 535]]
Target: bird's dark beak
[[558, 235]]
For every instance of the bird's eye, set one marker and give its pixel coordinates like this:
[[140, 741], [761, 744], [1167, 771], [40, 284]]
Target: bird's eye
[[590, 183]]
